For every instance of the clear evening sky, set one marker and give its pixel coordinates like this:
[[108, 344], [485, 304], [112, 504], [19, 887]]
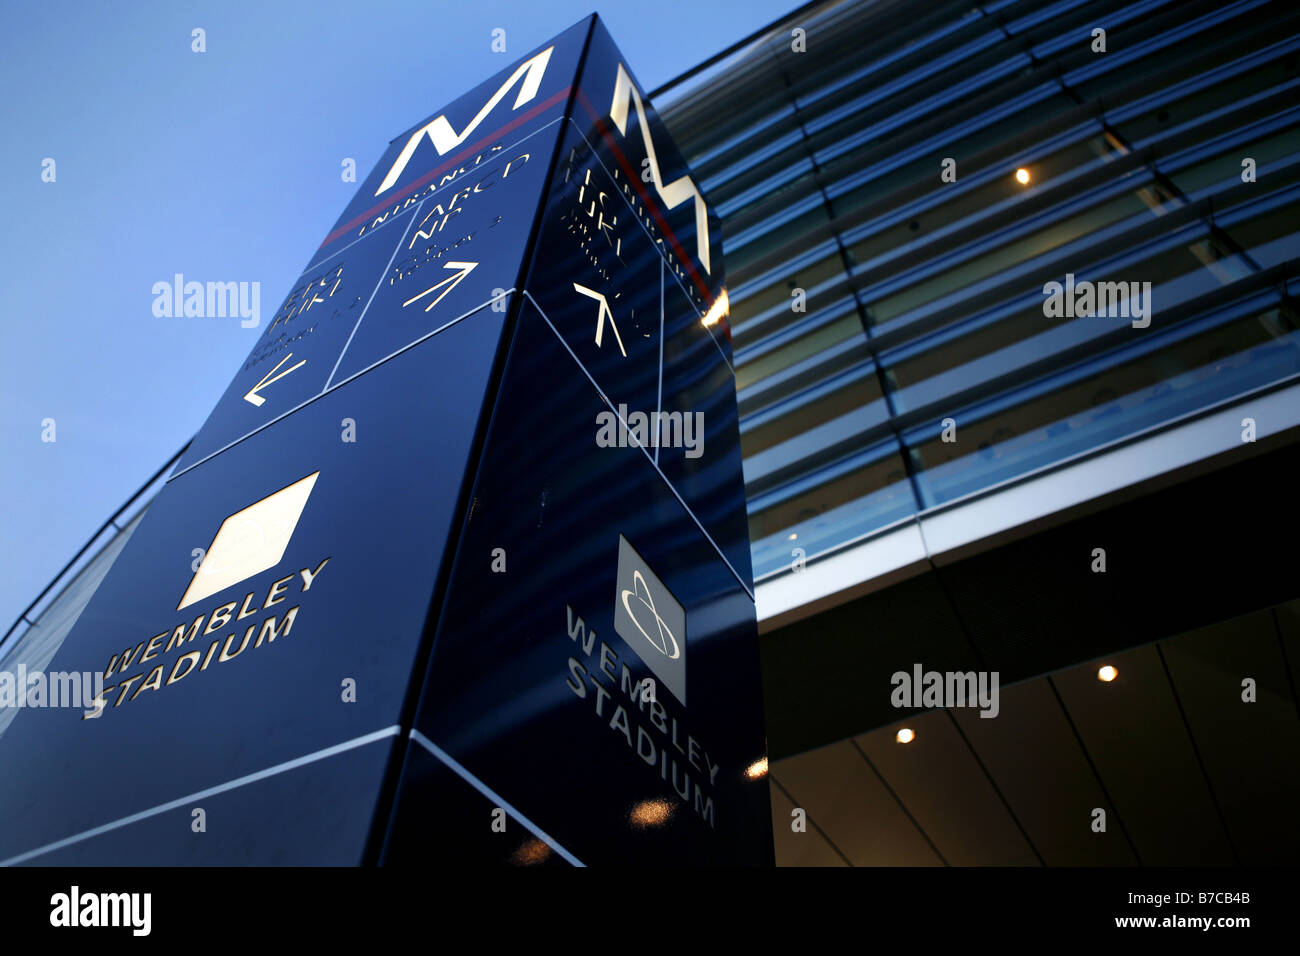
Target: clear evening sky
[[223, 166]]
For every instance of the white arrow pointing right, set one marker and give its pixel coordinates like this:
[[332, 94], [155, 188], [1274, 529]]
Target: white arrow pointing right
[[465, 269]]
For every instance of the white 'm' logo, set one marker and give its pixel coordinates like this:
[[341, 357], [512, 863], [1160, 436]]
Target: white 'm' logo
[[679, 190], [440, 131]]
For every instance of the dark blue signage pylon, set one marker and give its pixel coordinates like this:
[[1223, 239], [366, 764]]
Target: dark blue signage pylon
[[458, 567]]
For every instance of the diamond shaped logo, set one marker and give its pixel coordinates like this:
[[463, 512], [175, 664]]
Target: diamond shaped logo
[[250, 541]]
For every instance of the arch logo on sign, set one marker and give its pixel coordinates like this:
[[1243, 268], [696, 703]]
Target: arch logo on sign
[[650, 619]]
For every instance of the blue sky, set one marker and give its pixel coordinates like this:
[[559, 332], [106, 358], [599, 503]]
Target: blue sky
[[223, 166]]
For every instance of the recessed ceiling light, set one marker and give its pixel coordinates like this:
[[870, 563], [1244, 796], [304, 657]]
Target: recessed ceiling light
[[1107, 674], [905, 736], [1022, 176]]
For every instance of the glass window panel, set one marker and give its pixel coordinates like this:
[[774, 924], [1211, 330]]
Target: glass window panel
[[766, 208], [1095, 150], [757, 111], [1176, 274], [1191, 373], [789, 172], [908, 163], [1191, 108], [747, 258], [1139, 46], [993, 77], [845, 327], [898, 87], [1007, 255], [777, 295], [850, 403], [1277, 159], [846, 361], [1271, 237], [831, 513], [1190, 59]]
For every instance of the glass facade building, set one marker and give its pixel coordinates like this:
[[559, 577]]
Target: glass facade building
[[875, 299], [939, 461]]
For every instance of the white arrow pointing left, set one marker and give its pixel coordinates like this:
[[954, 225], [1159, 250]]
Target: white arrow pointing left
[[271, 377]]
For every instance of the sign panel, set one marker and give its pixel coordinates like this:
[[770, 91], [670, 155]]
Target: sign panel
[[460, 187], [494, 117], [267, 610], [470, 519], [595, 674], [601, 685]]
